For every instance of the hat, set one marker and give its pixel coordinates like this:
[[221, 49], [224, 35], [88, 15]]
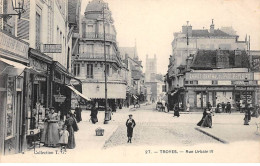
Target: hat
[[130, 115]]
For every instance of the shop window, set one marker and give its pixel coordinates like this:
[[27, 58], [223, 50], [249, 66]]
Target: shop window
[[231, 60], [195, 82], [76, 69], [186, 82], [89, 70]]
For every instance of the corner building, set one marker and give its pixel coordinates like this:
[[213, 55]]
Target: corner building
[[89, 66]]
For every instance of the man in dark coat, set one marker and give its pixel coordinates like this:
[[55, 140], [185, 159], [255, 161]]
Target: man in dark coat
[[78, 111], [228, 107]]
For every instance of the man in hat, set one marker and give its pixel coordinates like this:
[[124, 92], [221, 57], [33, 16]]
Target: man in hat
[[130, 124]]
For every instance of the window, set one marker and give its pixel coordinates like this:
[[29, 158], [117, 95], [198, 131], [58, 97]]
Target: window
[[76, 69], [89, 70], [231, 60], [38, 32], [107, 70], [214, 82]]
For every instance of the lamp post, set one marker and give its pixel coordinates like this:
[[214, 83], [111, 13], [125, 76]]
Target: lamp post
[[105, 56], [246, 82], [17, 6]]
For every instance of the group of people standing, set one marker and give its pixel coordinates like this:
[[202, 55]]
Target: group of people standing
[[58, 133]]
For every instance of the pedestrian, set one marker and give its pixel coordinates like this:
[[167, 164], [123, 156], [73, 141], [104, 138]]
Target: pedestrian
[[45, 126], [239, 106], [228, 108], [78, 111], [188, 107], [223, 106], [130, 124], [52, 134], [247, 115], [218, 108], [176, 110], [206, 120], [94, 112], [69, 123], [64, 137], [209, 106]]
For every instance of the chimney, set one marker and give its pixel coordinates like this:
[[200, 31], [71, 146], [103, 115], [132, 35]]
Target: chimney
[[212, 27], [187, 29]]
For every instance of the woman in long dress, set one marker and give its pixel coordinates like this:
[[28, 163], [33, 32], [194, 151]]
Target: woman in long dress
[[206, 120], [52, 134], [69, 123], [43, 135], [176, 111], [130, 124], [94, 112]]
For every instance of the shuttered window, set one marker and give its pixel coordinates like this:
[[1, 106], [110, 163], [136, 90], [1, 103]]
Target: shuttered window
[[38, 32]]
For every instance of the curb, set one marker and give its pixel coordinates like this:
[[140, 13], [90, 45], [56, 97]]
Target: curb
[[109, 137], [212, 136]]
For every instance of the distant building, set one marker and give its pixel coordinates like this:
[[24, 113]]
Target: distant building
[[151, 68], [198, 65], [229, 30]]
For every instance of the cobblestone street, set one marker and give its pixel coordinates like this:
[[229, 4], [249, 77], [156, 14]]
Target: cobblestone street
[[157, 128]]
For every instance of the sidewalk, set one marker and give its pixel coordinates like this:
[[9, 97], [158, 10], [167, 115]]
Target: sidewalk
[[231, 132]]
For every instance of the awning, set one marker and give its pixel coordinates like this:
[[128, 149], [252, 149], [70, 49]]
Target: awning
[[78, 93], [18, 66], [14, 64]]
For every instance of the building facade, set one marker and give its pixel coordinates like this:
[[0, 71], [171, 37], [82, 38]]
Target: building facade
[[45, 28], [218, 51], [89, 67]]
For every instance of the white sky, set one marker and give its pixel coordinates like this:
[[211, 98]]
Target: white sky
[[153, 22]]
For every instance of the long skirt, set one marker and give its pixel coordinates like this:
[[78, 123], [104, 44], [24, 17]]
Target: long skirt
[[71, 141], [52, 137], [130, 132], [43, 135], [207, 121], [176, 113]]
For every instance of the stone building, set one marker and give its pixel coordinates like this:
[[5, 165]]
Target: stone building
[[215, 49], [89, 66]]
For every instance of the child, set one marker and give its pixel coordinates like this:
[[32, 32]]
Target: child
[[64, 137]]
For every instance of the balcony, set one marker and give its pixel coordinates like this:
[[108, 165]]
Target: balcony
[[98, 36], [98, 57]]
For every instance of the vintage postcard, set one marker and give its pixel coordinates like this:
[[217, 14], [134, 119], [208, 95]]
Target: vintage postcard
[[129, 81]]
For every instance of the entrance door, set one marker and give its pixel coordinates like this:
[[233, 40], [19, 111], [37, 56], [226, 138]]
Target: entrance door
[[2, 121]]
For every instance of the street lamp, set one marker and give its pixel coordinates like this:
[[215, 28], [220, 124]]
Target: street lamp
[[105, 56], [17, 6]]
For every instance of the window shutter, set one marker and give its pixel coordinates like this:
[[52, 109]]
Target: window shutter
[[23, 24]]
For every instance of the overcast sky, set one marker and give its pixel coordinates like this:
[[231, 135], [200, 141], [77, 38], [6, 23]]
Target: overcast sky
[[153, 22]]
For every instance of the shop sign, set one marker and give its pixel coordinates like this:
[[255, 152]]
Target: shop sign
[[39, 78], [243, 83], [38, 65], [59, 98], [52, 48], [219, 76], [13, 45]]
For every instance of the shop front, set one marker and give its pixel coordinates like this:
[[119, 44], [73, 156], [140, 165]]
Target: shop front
[[13, 63], [37, 90], [237, 87], [59, 91]]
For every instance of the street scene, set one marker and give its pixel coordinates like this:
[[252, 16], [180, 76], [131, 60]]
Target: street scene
[[102, 81]]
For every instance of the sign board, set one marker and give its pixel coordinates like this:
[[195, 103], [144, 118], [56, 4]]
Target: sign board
[[52, 48], [219, 76], [13, 45], [38, 78]]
